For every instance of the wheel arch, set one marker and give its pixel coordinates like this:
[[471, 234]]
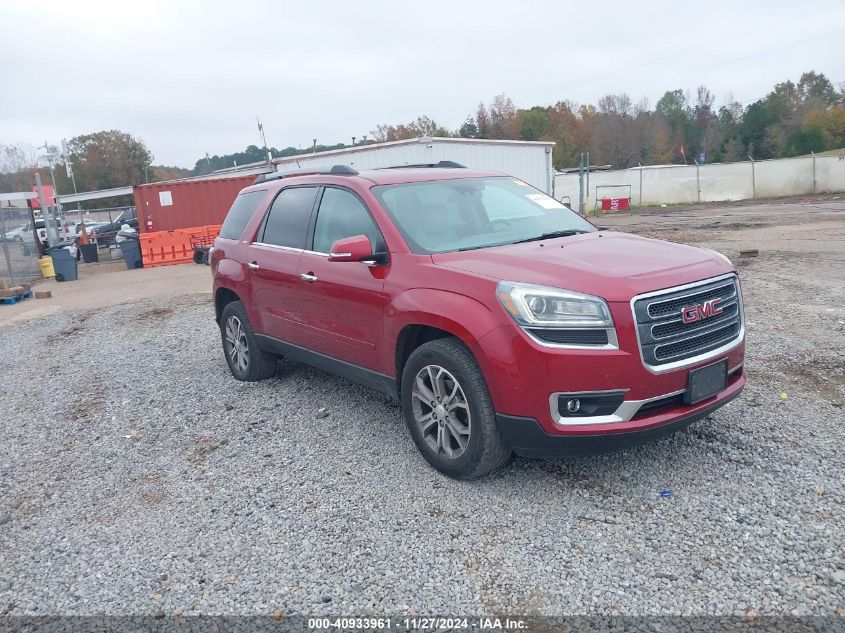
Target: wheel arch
[[222, 297], [417, 325]]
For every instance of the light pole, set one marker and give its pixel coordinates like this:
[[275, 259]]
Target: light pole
[[69, 170], [53, 178]]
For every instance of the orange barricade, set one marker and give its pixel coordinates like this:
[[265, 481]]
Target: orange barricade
[[165, 248]]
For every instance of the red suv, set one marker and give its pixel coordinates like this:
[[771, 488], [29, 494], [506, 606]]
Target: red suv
[[502, 321]]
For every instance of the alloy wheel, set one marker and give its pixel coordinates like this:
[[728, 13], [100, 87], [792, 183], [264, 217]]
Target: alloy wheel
[[441, 411], [237, 347]]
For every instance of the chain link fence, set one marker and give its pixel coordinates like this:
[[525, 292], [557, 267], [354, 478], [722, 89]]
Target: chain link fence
[[18, 248]]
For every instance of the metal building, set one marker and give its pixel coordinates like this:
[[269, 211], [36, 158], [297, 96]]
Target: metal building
[[530, 161]]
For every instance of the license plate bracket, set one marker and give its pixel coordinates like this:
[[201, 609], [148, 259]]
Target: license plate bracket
[[705, 382]]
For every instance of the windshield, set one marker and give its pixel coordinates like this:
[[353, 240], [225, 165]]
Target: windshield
[[468, 213]]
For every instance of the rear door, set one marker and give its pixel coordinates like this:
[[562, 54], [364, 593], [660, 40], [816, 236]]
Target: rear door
[[343, 302], [273, 262]]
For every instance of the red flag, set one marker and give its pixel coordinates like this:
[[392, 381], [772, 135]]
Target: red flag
[[682, 152]]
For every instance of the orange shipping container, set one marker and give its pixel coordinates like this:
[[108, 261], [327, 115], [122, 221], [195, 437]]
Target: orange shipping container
[[181, 204]]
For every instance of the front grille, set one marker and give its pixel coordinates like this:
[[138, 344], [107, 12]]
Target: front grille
[[665, 338], [665, 330], [571, 337], [665, 307]]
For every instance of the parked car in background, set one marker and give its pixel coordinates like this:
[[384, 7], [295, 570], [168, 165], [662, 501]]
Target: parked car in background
[[501, 320], [105, 233], [90, 225], [16, 234]]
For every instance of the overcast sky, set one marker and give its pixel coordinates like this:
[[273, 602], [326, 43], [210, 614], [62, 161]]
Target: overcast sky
[[190, 77]]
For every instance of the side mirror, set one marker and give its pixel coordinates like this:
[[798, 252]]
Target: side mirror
[[351, 249]]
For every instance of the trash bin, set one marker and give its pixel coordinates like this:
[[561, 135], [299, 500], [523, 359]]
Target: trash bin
[[64, 263], [46, 265], [131, 250], [89, 253]]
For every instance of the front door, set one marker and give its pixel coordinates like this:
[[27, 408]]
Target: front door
[[273, 264], [343, 302]]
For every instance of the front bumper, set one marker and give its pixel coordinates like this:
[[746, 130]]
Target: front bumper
[[529, 439]]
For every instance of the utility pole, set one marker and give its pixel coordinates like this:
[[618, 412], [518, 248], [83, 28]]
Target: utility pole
[[697, 179], [641, 184], [581, 185], [753, 178], [53, 178], [50, 227], [69, 170], [587, 188]]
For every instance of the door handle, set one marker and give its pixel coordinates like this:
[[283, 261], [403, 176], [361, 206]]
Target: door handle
[[253, 266], [308, 277]]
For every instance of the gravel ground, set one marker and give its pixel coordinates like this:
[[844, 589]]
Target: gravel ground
[[137, 477]]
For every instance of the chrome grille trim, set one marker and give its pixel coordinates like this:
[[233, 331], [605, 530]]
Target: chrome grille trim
[[644, 322], [688, 298]]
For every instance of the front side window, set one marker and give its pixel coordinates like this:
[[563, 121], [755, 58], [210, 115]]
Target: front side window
[[286, 223], [238, 217], [468, 213], [342, 214]]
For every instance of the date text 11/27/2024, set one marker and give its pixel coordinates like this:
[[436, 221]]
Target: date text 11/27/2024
[[418, 623]]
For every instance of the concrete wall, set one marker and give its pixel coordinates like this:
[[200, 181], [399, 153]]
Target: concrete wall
[[675, 184]]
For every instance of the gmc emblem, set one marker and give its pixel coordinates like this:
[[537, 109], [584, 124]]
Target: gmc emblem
[[691, 314]]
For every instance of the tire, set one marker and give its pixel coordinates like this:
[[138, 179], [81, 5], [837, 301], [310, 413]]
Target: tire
[[436, 431], [255, 364]]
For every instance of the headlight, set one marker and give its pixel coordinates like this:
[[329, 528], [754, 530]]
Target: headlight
[[540, 306]]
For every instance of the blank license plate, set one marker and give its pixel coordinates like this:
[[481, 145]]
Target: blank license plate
[[705, 382]]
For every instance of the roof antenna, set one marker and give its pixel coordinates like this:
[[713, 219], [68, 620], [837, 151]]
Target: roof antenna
[[263, 139]]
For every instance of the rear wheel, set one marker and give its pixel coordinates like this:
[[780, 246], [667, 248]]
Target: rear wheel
[[448, 410], [246, 360]]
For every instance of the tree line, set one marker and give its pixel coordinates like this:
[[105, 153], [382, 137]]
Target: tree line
[[795, 118], [88, 162]]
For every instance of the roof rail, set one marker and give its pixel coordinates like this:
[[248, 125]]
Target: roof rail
[[334, 170], [443, 164]]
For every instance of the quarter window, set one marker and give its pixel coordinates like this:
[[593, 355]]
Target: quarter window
[[242, 209], [286, 223], [342, 215]]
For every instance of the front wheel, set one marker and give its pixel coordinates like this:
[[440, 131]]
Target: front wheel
[[449, 413], [246, 360]]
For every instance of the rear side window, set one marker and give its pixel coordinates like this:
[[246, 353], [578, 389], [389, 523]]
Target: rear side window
[[287, 222], [240, 213]]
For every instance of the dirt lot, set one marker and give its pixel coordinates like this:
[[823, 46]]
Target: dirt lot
[[137, 477], [103, 285]]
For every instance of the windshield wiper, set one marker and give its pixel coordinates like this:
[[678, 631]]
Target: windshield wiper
[[550, 235], [544, 236]]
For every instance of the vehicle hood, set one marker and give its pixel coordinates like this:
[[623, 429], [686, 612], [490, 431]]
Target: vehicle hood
[[615, 266]]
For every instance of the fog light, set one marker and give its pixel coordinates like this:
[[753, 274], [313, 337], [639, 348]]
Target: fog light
[[586, 404]]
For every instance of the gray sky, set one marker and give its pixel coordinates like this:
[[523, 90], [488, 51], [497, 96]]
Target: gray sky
[[189, 77]]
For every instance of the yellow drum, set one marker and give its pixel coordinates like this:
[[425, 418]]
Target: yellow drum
[[46, 264]]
